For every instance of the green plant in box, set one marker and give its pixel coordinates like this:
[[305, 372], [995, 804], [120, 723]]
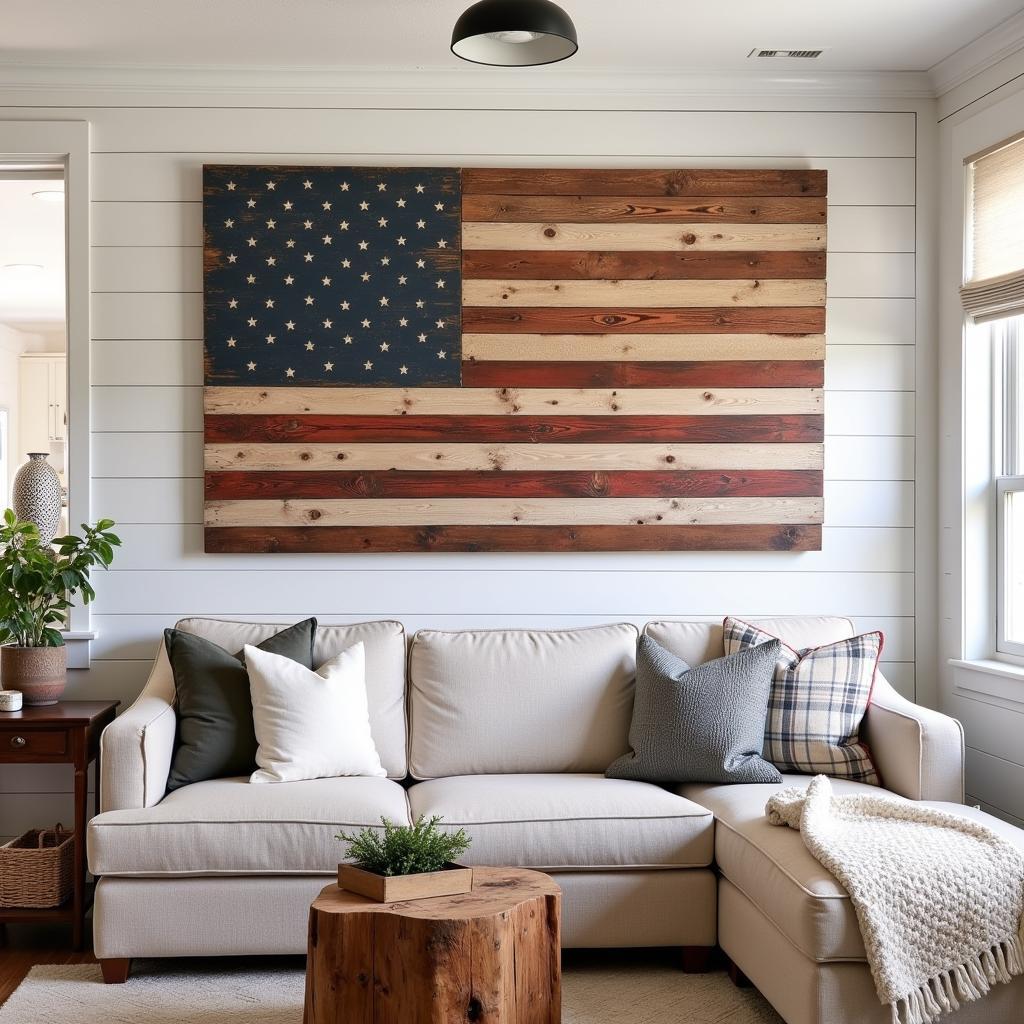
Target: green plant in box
[[405, 849]]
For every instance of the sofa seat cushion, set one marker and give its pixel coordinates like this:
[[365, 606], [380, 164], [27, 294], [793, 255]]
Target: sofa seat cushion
[[773, 868], [569, 821], [231, 827]]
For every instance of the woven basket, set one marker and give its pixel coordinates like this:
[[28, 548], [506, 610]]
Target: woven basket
[[36, 869]]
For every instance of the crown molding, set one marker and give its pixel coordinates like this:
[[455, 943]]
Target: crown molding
[[964, 64], [438, 85]]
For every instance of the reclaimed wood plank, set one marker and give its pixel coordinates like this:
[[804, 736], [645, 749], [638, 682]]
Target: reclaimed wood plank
[[240, 485], [688, 209], [584, 265], [652, 320], [511, 457], [505, 512], [643, 182], [480, 429], [322, 539], [514, 401], [643, 293], [636, 347], [643, 237], [698, 373]]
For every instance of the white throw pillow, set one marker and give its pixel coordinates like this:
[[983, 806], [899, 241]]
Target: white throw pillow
[[311, 725]]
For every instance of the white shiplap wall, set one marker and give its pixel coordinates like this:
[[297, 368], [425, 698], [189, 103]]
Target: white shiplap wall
[[147, 380]]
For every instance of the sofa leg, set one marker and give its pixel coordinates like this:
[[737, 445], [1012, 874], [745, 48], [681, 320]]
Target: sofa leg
[[116, 970], [736, 976], [697, 959]]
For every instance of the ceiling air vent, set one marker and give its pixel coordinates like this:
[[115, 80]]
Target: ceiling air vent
[[799, 54]]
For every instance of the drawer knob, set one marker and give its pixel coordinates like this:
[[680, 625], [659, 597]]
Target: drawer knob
[[18, 742]]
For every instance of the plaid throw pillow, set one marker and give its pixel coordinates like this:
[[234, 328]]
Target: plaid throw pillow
[[818, 701]]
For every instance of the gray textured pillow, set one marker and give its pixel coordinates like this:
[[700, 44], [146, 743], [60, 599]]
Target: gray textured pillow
[[703, 724]]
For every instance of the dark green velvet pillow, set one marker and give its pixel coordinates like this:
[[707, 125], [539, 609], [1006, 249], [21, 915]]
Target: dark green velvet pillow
[[215, 737]]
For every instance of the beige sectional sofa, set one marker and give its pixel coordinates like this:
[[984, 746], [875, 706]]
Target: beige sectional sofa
[[507, 733]]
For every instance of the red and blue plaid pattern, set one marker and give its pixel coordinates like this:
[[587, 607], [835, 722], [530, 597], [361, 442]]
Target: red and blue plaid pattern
[[818, 700]]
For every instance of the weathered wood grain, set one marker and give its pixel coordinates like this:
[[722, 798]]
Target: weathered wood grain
[[239, 485], [643, 237], [322, 539], [515, 401], [642, 293], [505, 512], [511, 457], [642, 182], [635, 347], [707, 374], [674, 209], [534, 429], [588, 265], [654, 320]]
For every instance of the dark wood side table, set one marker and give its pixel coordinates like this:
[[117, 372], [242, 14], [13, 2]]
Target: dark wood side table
[[66, 733]]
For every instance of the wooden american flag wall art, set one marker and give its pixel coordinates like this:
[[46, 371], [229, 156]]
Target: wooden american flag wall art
[[506, 360]]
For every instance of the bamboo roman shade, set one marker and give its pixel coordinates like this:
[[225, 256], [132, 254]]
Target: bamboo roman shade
[[995, 272]]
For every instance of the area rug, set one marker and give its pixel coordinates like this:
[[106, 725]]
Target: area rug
[[163, 992]]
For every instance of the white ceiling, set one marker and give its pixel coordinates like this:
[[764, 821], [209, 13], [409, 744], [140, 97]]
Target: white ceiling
[[642, 35], [31, 231]]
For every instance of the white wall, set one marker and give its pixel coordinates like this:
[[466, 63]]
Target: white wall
[[986, 696], [147, 373], [12, 344]]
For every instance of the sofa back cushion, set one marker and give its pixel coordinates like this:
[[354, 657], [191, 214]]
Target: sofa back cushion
[[698, 641], [509, 701], [384, 644]]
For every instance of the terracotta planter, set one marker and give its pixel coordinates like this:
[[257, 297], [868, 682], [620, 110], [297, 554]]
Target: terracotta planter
[[39, 672]]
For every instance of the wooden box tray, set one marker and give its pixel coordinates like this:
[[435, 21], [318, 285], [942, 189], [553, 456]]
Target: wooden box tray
[[449, 881]]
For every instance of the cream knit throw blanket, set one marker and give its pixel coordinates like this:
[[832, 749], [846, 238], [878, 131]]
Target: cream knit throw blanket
[[939, 898]]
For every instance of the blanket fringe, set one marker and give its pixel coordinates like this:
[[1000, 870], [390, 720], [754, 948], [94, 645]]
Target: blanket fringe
[[946, 991]]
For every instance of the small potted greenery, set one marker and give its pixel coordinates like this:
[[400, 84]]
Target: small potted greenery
[[405, 862], [37, 583]]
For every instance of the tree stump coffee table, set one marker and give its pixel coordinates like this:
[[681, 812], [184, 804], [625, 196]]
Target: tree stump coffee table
[[491, 955]]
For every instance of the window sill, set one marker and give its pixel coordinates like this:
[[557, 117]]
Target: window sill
[[78, 642], [990, 678]]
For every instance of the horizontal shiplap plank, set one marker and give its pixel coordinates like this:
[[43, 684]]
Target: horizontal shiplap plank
[[146, 315], [180, 546], [996, 780], [155, 268], [161, 363], [875, 503], [149, 454], [20, 812], [150, 408], [374, 593], [995, 730], [165, 500], [852, 181], [870, 368], [870, 321], [872, 275], [722, 133], [145, 224], [869, 458], [169, 409], [871, 228], [901, 675]]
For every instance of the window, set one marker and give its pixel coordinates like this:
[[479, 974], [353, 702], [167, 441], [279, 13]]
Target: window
[[1008, 447]]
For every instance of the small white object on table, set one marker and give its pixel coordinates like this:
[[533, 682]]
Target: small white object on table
[[10, 700]]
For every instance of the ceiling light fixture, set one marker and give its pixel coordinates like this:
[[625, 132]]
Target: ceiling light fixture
[[514, 33], [49, 195], [22, 268]]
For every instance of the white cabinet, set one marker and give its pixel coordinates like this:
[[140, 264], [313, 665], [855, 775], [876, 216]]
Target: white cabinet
[[42, 402]]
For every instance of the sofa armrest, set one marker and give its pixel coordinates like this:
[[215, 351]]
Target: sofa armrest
[[918, 752], [136, 748]]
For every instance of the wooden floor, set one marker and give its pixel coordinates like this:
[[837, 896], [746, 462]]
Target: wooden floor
[[28, 945]]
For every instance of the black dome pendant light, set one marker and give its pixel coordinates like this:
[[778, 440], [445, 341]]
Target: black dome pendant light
[[514, 33]]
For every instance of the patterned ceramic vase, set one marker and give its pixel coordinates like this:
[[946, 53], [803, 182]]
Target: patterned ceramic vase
[[39, 672], [37, 495]]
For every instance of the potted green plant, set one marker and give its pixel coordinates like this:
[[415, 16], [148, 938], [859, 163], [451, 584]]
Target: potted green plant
[[405, 862], [37, 582]]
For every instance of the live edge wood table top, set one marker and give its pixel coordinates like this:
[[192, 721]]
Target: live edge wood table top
[[490, 955], [65, 733]]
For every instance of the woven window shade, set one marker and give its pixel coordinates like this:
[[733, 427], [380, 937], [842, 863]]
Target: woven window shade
[[995, 281]]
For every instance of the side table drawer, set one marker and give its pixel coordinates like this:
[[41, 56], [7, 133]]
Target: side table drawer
[[27, 744]]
